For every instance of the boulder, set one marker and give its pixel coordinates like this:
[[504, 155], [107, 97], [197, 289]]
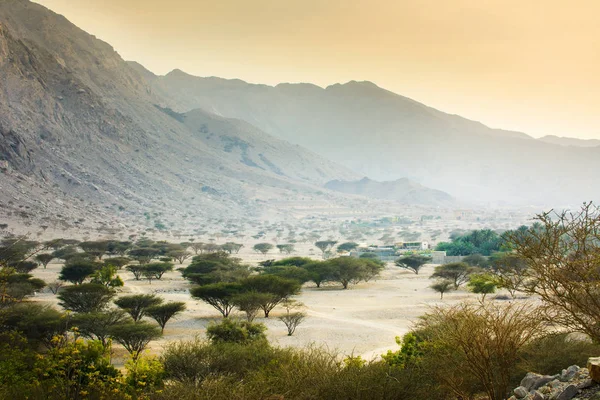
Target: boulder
[[593, 366], [521, 392], [568, 393], [533, 381]]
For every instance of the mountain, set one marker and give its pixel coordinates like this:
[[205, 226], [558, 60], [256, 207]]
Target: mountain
[[84, 138], [402, 190], [386, 136], [566, 141]]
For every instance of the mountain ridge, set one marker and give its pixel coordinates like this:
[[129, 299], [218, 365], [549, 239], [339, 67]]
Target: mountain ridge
[[386, 136]]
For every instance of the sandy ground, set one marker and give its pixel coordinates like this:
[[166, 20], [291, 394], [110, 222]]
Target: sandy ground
[[362, 320]]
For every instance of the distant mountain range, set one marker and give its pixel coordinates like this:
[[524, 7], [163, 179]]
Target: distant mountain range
[[386, 136], [566, 141], [402, 190], [82, 131]]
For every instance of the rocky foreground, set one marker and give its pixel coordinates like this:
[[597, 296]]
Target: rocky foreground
[[573, 383]]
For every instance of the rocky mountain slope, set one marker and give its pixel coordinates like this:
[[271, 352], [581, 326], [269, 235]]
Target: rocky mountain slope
[[386, 137], [82, 134], [401, 190]]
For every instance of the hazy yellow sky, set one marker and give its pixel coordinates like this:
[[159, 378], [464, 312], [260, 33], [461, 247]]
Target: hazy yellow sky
[[529, 65]]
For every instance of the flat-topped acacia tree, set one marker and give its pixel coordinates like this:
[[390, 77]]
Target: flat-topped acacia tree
[[412, 262]]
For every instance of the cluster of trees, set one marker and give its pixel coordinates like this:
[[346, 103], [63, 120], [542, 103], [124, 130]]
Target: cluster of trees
[[344, 270], [484, 241], [483, 275]]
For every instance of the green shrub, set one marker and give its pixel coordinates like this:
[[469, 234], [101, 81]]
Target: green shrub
[[236, 331]]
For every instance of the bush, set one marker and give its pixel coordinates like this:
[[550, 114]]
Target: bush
[[235, 331]]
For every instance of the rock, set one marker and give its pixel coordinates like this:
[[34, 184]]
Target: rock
[[568, 393], [537, 396], [569, 373], [533, 381], [521, 392], [593, 366], [585, 384]]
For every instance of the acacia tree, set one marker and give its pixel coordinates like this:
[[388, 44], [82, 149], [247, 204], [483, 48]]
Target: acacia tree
[[77, 271], [285, 248], [263, 248], [44, 258], [179, 255], [510, 271], [442, 286], [162, 313], [346, 247], [276, 288], [292, 318], [482, 283], [458, 273], [135, 337], [85, 298], [350, 270], [97, 325], [562, 259], [219, 295], [413, 262], [325, 245], [250, 303], [136, 305]]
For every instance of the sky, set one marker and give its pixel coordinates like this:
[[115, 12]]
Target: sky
[[526, 65]]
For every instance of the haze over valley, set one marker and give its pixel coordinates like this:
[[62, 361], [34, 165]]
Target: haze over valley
[[173, 236]]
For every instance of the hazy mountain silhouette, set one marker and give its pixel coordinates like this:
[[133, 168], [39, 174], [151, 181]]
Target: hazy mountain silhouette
[[567, 141], [401, 190], [387, 136]]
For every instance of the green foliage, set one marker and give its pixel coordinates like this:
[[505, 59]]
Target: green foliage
[[85, 298], [325, 245], [136, 305], [250, 302], [97, 325], [118, 262], [350, 270], [483, 242], [235, 331], [76, 271], [457, 273], [69, 369], [162, 313], [14, 287], [442, 286], [413, 262], [411, 349], [277, 290], [290, 272], [219, 295], [286, 248], [96, 248], [134, 336], [263, 248], [156, 270], [36, 322], [346, 247], [144, 255], [44, 258], [107, 276], [482, 283], [215, 267], [145, 375]]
